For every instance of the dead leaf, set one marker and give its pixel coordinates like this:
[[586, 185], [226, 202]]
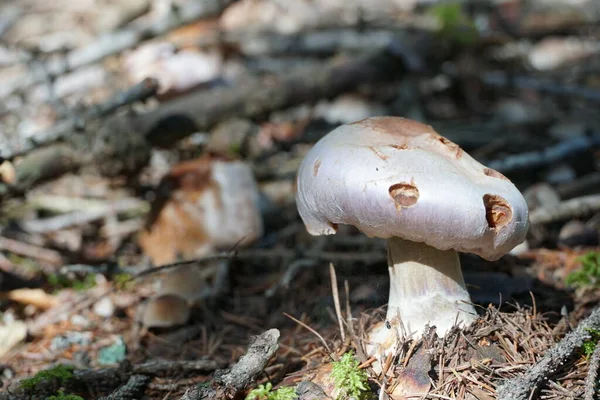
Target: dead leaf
[[35, 297], [413, 381], [11, 335], [7, 172]]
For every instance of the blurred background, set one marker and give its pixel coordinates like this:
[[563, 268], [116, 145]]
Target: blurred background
[[144, 133]]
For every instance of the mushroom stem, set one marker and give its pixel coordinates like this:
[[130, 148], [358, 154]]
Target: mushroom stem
[[426, 288]]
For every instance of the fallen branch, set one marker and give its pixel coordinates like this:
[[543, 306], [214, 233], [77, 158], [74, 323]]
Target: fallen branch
[[522, 387], [124, 39], [228, 383], [51, 224], [105, 380], [41, 165], [200, 111], [132, 390], [49, 256], [580, 186], [139, 92], [325, 42], [550, 156], [121, 144], [591, 380], [573, 208], [503, 80], [167, 367]]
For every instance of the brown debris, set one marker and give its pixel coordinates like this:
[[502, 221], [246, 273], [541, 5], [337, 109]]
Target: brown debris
[[413, 380]]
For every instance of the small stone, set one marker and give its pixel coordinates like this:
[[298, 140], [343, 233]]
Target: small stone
[[541, 195], [113, 354], [79, 320], [104, 307], [63, 342]]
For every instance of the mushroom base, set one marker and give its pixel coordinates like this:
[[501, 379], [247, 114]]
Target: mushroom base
[[427, 288]]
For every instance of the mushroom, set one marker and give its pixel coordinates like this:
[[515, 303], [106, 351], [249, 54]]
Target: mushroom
[[397, 179], [164, 311], [202, 205], [188, 282]]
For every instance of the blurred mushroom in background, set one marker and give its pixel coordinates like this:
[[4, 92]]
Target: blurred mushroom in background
[[202, 205], [164, 311]]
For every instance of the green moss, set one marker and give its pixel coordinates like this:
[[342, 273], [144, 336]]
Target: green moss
[[265, 392], [350, 380], [123, 280], [62, 396], [589, 346], [455, 25], [61, 281], [60, 373], [235, 148], [589, 273]]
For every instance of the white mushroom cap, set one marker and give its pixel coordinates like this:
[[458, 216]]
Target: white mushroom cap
[[394, 177]]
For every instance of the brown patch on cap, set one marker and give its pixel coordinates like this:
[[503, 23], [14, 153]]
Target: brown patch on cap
[[404, 194], [378, 153], [494, 174], [498, 212], [403, 146], [406, 129], [450, 145], [316, 167]]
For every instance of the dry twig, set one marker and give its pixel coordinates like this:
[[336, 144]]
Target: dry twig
[[131, 390], [336, 301], [591, 380], [521, 387], [573, 208], [139, 92], [124, 39], [227, 383], [549, 156]]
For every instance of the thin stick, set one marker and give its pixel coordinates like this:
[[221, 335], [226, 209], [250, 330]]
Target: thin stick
[[336, 301], [124, 39], [310, 329], [521, 387], [591, 379], [138, 92], [30, 250], [573, 208]]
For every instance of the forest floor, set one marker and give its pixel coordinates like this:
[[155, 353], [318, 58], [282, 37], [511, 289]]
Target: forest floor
[[115, 115]]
